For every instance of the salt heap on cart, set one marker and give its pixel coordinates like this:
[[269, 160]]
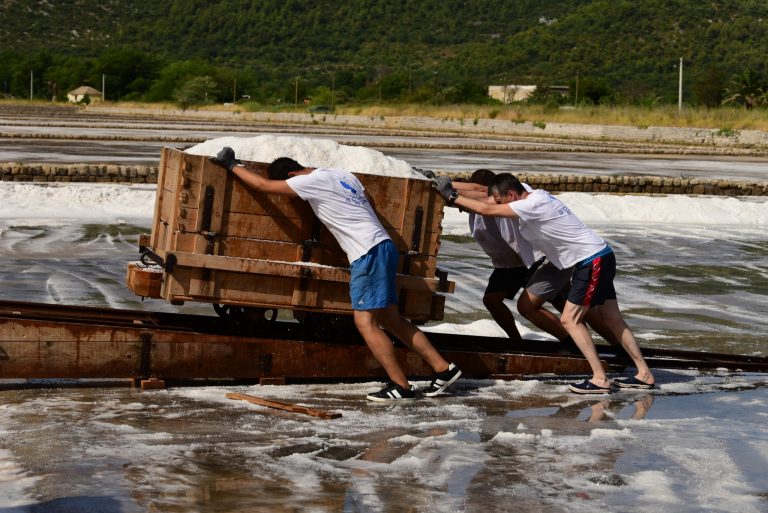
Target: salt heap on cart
[[219, 242]]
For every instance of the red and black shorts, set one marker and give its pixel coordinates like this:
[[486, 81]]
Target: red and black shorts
[[592, 279]]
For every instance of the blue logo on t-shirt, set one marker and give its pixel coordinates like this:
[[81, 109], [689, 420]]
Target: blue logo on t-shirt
[[347, 186], [356, 197]]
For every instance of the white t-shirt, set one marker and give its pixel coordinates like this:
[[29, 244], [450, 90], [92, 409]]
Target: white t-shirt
[[338, 199], [500, 238], [551, 227]]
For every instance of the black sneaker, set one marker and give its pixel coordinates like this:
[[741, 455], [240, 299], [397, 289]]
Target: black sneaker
[[442, 380], [393, 392]]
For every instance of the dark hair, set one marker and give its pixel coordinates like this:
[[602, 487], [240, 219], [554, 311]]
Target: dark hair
[[279, 168], [483, 177], [504, 183]]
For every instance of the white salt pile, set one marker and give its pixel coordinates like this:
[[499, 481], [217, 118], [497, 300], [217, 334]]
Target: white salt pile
[[309, 152]]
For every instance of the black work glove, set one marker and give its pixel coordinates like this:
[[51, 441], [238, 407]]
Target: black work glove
[[426, 172], [445, 188], [226, 158]]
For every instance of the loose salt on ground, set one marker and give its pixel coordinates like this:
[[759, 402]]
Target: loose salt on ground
[[309, 152]]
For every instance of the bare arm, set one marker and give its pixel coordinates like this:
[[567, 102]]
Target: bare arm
[[484, 208], [259, 183], [471, 190]]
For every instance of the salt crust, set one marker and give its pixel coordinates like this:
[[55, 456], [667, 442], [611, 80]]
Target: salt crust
[[311, 153]]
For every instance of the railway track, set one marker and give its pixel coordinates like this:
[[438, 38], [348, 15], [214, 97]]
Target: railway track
[[44, 341]]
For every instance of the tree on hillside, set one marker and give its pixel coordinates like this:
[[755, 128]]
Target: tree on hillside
[[197, 91], [709, 85], [747, 88], [130, 72]]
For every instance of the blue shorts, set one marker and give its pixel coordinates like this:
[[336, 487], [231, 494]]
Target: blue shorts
[[372, 281]]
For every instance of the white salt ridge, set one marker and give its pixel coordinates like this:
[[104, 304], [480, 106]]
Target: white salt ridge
[[107, 203], [652, 210], [310, 153], [54, 204], [485, 327]]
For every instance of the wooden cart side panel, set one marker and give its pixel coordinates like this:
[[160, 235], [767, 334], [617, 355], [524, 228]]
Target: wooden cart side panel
[[284, 230], [392, 197], [271, 292], [419, 265], [214, 190], [239, 224], [157, 226], [432, 204], [172, 211], [286, 292], [295, 270], [163, 218]]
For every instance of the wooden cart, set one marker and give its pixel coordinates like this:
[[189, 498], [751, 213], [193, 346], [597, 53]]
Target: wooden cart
[[216, 241]]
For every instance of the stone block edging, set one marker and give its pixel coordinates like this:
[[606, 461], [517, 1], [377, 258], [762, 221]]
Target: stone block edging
[[93, 173]]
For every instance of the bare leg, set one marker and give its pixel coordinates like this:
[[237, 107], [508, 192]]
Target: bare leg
[[380, 345], [595, 321], [494, 302], [530, 306], [573, 322], [411, 336], [611, 317]]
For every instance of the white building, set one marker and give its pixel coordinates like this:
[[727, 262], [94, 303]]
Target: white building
[[518, 93], [511, 93], [76, 95]]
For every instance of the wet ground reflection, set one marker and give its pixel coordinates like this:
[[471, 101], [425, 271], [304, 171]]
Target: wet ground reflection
[[491, 446]]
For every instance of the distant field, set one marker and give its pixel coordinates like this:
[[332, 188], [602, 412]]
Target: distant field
[[724, 118], [720, 118]]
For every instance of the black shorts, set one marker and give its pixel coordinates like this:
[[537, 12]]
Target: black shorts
[[592, 282], [508, 280]]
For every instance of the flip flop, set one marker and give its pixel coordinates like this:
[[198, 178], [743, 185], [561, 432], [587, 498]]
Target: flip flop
[[587, 387], [633, 382]]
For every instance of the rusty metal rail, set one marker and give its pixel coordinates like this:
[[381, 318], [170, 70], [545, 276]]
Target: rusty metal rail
[[613, 356], [39, 341]]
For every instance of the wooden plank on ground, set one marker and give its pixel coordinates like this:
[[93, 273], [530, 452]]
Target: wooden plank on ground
[[283, 406]]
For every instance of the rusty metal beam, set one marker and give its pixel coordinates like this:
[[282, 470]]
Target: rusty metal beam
[[46, 349], [51, 341], [56, 341]]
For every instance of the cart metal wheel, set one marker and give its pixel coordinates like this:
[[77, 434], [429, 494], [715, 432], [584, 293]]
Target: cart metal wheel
[[245, 319]]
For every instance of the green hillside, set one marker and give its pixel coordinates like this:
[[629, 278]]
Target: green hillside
[[395, 50]]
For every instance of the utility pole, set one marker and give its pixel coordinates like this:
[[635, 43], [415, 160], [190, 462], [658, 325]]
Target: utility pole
[[296, 93], [680, 88], [31, 83], [576, 100], [333, 90], [234, 91], [103, 87], [410, 82]]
